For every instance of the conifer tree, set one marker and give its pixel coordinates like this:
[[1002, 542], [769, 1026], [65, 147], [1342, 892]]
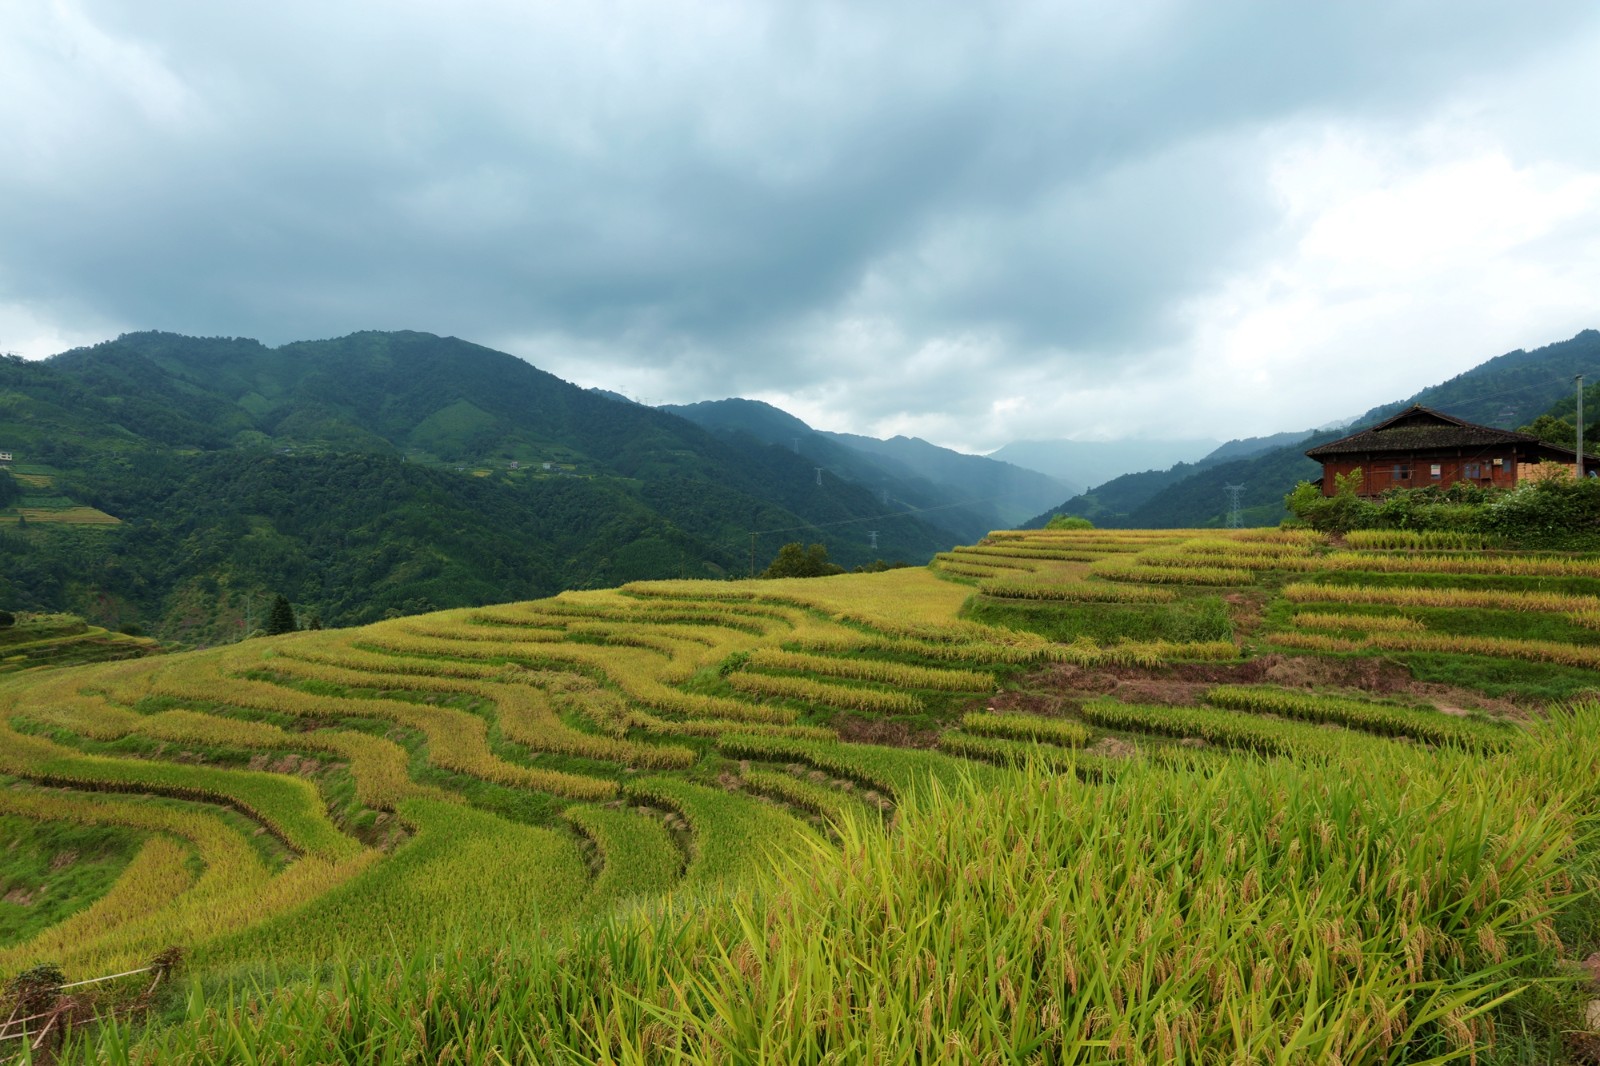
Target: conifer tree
[[281, 618]]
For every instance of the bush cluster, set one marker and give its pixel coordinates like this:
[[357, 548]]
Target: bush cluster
[[1558, 513]]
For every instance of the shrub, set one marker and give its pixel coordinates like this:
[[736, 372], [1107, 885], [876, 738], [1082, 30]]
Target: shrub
[[797, 560]]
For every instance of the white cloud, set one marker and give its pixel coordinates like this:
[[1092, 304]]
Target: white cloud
[[970, 223]]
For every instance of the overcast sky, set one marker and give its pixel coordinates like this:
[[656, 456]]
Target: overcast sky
[[964, 221]]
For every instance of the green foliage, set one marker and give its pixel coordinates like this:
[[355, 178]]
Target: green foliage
[[1553, 430], [327, 470], [280, 617], [49, 870], [1066, 521], [799, 560], [1553, 513], [7, 619]]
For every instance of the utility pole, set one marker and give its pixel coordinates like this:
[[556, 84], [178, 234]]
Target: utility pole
[[1579, 381], [873, 533], [819, 474], [886, 497], [752, 555], [796, 444], [1235, 513]]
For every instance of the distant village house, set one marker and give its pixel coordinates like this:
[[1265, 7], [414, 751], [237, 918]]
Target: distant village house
[[1420, 446]]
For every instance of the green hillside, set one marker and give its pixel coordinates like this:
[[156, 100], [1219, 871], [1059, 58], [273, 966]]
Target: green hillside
[[967, 494], [170, 482]]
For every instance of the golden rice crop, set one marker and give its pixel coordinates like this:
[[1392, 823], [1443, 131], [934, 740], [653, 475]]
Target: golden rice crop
[[523, 712], [1022, 551], [1586, 656], [1260, 549], [809, 691], [138, 918], [992, 561], [1075, 591], [903, 675], [379, 767], [288, 807], [1008, 752], [1383, 718], [1316, 641], [966, 570], [1058, 731], [639, 855], [1371, 623], [1266, 736], [1271, 535], [828, 803], [1241, 558], [1118, 570], [1526, 565], [946, 651], [1493, 599], [1086, 652], [1390, 539], [457, 740]]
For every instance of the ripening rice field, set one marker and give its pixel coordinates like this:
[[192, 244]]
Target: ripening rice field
[[1060, 797]]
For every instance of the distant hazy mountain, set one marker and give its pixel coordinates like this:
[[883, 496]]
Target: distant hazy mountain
[[1089, 462], [1507, 391], [1248, 446], [969, 494]]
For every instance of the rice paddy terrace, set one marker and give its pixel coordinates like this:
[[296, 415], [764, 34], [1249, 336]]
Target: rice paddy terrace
[[1058, 797]]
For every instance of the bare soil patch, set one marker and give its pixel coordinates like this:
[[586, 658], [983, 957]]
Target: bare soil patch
[[884, 731], [1060, 688]]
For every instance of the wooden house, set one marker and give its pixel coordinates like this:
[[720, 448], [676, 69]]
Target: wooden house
[[1420, 446]]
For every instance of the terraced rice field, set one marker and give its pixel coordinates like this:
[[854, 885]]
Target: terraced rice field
[[1065, 796]]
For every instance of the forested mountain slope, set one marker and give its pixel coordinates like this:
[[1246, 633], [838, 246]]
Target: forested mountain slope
[[969, 494], [375, 473]]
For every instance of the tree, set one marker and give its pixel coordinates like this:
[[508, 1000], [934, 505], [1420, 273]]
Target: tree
[[280, 619], [1553, 430], [7, 619], [797, 560], [1067, 521]]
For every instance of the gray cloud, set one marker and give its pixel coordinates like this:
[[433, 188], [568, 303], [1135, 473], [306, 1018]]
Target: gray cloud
[[910, 212]]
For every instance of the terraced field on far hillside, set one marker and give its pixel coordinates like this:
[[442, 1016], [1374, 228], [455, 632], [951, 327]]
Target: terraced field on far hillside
[[1364, 822]]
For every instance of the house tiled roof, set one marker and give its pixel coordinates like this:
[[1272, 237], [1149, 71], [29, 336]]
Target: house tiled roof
[[1419, 428]]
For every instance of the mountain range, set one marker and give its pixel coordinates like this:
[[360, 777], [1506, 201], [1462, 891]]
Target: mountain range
[[172, 482], [1507, 391]]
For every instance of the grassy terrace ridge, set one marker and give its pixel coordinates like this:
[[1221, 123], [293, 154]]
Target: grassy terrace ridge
[[1061, 796]]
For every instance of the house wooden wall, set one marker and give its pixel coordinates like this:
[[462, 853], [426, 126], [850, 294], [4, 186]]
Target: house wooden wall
[[1377, 475]]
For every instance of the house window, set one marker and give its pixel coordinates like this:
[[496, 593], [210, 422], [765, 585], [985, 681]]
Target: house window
[[1402, 471], [1472, 470], [1434, 470]]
